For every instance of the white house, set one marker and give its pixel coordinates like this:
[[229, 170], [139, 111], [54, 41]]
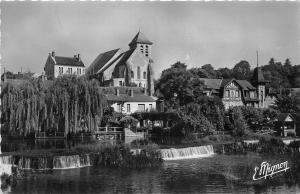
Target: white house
[[128, 100], [57, 65]]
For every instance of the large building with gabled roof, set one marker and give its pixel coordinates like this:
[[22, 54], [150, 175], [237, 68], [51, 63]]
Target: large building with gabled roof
[[56, 66], [130, 68], [235, 92]]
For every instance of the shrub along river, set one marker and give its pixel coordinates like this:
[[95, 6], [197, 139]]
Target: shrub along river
[[217, 173]]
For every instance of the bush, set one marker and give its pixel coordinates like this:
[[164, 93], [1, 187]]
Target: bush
[[240, 127]]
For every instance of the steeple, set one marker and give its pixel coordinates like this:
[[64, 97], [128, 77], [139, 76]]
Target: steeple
[[259, 81], [142, 43], [139, 38]]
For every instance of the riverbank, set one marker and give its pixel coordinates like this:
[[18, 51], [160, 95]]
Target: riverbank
[[108, 155]]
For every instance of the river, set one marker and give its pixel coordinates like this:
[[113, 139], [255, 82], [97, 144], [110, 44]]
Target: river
[[214, 174]]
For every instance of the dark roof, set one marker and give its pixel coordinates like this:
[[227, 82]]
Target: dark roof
[[258, 76], [138, 94], [225, 82], [212, 83], [101, 60], [217, 84], [245, 85], [125, 55], [140, 38], [282, 116], [70, 61], [128, 98]]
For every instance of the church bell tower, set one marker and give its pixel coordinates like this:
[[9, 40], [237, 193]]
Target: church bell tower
[[142, 43]]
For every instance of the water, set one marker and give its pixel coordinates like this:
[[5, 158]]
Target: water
[[187, 153], [216, 174]]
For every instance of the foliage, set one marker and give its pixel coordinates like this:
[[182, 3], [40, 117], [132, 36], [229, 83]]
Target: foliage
[[240, 127], [69, 103], [253, 116], [128, 121], [192, 120], [178, 86], [242, 70], [282, 76], [110, 117], [287, 104]]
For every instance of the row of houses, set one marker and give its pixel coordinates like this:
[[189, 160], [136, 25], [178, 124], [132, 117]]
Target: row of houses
[[132, 68]]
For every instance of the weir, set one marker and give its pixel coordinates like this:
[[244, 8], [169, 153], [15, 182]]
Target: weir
[[5, 162], [187, 153], [75, 161]]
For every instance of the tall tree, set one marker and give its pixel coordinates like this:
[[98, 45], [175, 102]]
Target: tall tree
[[209, 70], [287, 104], [242, 70], [178, 86]]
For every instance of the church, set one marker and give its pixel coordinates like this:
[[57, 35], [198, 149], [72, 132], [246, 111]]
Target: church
[[130, 68]]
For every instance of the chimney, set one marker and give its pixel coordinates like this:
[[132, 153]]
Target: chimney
[[78, 56], [131, 92], [53, 54], [117, 92]]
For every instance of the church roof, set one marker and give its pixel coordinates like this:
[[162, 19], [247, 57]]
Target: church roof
[[101, 60], [140, 38]]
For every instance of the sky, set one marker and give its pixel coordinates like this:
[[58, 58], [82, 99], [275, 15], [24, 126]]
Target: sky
[[196, 33]]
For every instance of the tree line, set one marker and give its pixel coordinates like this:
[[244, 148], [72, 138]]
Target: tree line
[[280, 75]]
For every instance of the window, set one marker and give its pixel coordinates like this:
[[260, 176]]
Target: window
[[141, 107], [132, 74], [232, 93], [145, 75], [142, 48], [69, 70], [227, 93], [236, 94], [150, 106], [119, 107], [60, 70], [128, 107], [138, 72], [120, 83], [78, 71]]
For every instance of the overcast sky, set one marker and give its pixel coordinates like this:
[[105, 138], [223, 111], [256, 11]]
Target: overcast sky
[[197, 33]]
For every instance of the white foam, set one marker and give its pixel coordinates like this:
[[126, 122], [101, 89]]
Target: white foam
[[187, 153]]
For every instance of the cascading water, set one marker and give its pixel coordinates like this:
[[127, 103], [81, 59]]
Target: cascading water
[[187, 153], [74, 161], [5, 162]]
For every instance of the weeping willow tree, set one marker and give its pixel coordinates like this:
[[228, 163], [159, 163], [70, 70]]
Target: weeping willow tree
[[68, 104]]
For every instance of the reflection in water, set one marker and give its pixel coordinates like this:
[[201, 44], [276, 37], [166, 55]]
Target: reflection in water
[[218, 174]]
